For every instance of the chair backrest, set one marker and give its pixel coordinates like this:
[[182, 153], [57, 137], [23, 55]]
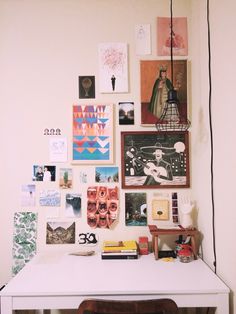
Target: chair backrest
[[157, 306]]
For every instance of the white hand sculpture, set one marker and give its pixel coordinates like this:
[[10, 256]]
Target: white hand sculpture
[[186, 211]]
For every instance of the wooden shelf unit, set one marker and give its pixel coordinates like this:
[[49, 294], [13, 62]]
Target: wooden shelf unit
[[156, 232]]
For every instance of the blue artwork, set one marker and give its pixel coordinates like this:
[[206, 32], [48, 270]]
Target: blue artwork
[[49, 198], [92, 133]]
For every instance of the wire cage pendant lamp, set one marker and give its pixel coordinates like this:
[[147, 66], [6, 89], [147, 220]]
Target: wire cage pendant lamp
[[170, 119]]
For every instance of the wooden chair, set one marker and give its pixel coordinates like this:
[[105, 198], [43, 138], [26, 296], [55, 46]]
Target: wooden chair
[[98, 306]]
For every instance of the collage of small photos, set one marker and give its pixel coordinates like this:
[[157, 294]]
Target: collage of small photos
[[149, 159]]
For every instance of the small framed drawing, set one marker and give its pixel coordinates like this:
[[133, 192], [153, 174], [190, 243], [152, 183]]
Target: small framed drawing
[[155, 159], [92, 134], [160, 209], [86, 87]]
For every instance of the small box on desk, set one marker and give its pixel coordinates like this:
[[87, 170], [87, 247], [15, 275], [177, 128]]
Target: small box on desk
[[143, 245]]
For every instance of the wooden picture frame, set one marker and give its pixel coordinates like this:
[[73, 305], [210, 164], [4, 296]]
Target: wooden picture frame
[[154, 159], [92, 134]]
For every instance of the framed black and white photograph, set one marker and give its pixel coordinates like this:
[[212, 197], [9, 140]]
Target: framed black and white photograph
[[154, 159]]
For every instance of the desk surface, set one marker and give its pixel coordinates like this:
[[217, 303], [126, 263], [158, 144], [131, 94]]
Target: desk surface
[[62, 274]]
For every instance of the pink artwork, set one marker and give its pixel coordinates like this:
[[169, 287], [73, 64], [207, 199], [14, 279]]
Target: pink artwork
[[93, 133], [179, 39], [102, 206], [113, 67]]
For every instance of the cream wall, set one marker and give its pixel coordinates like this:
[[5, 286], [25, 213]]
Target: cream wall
[[222, 23], [45, 45]]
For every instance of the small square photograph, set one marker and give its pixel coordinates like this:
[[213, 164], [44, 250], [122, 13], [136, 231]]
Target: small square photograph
[[135, 209], [65, 181], [28, 195], [175, 211], [175, 219], [106, 174], [174, 203], [49, 198], [60, 233], [83, 177], [44, 173], [126, 113], [86, 87], [73, 205], [174, 196]]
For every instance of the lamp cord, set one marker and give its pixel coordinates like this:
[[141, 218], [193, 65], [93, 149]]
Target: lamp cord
[[211, 134], [171, 41]]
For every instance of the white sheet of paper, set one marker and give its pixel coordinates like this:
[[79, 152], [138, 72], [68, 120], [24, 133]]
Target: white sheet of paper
[[143, 39], [113, 67], [58, 149]]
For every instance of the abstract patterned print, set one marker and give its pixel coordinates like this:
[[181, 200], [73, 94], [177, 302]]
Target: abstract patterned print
[[92, 132], [24, 239]]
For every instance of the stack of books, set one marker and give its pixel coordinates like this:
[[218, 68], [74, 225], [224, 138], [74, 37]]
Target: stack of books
[[119, 250]]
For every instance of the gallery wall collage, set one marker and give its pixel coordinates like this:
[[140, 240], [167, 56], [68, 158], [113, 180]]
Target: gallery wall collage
[[149, 159]]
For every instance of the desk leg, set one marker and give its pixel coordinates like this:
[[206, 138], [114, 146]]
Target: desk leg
[[223, 304], [156, 247], [6, 305], [194, 247]]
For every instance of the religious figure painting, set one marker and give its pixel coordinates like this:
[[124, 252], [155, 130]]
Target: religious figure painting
[[155, 84], [179, 36], [92, 134], [155, 159], [113, 67]]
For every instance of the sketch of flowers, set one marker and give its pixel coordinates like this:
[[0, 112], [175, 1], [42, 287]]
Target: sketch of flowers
[[113, 58]]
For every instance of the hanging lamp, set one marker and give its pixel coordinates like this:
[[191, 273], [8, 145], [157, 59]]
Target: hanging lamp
[[170, 119]]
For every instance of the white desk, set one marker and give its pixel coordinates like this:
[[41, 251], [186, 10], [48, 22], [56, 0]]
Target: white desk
[[62, 281]]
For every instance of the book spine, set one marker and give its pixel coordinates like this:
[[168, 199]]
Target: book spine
[[122, 253], [119, 251], [135, 256]]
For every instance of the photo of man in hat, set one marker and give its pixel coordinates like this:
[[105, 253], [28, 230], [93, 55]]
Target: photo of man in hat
[[157, 169]]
